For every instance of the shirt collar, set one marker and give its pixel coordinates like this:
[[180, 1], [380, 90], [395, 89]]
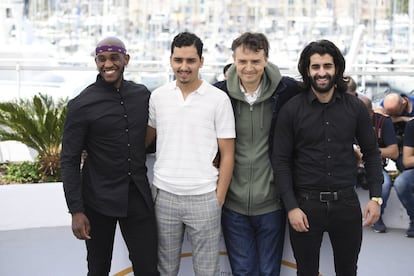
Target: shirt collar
[[312, 97], [256, 92], [200, 90], [251, 98]]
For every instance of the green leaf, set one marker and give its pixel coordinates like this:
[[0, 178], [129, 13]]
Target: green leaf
[[37, 123]]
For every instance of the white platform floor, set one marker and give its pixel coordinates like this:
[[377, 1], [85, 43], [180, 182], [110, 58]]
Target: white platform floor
[[59, 254]]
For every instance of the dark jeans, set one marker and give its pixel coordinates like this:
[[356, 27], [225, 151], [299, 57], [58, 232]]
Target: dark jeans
[[138, 230], [342, 219], [254, 243]]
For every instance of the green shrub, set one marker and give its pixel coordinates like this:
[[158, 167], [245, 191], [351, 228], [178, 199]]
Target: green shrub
[[37, 123], [21, 172]]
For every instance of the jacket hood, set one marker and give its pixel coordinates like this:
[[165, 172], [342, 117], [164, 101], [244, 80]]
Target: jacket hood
[[270, 80]]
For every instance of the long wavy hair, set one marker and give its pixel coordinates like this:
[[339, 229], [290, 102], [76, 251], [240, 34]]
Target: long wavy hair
[[322, 47]]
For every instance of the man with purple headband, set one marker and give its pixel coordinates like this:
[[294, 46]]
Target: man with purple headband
[[108, 119]]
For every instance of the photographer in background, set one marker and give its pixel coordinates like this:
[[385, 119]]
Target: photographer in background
[[399, 107], [361, 173], [387, 143]]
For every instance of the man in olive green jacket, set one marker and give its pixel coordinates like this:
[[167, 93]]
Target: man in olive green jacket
[[253, 218]]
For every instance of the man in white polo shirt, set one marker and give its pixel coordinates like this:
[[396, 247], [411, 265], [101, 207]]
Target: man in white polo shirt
[[192, 120]]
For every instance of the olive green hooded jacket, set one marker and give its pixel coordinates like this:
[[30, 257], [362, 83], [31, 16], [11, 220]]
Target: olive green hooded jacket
[[252, 190]]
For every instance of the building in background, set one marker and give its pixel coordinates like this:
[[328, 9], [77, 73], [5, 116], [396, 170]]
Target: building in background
[[72, 25], [374, 35]]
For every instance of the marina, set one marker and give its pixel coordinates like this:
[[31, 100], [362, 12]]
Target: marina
[[46, 42]]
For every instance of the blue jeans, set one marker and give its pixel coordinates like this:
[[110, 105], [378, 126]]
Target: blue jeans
[[404, 186], [254, 243], [386, 189]]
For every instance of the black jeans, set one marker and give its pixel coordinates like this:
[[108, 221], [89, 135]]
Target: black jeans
[[342, 219], [138, 230]]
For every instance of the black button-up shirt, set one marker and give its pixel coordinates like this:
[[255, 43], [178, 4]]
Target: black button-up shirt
[[313, 146], [110, 124]]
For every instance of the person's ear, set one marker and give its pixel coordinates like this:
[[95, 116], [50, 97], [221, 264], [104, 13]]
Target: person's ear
[[126, 57]]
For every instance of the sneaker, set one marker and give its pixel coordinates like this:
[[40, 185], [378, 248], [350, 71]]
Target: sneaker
[[379, 226], [410, 230]]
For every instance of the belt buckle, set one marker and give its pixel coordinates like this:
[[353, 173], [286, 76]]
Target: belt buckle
[[328, 196]]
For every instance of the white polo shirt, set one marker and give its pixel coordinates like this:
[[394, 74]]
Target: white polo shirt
[[187, 133]]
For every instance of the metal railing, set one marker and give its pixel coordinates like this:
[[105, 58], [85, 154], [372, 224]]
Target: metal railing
[[23, 78]]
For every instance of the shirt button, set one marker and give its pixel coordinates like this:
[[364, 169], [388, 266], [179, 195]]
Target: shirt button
[[125, 115], [129, 173], [329, 157], [129, 159], [128, 145], [329, 174], [329, 139], [326, 123], [126, 130], [121, 102]]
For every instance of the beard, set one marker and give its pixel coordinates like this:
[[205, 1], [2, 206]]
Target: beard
[[322, 88], [183, 79]]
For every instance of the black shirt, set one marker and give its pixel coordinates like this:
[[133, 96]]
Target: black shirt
[[313, 146], [110, 124]]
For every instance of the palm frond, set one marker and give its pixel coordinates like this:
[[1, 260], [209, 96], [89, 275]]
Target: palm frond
[[37, 123]]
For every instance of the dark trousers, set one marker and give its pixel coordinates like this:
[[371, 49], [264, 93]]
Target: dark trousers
[[138, 230], [342, 219]]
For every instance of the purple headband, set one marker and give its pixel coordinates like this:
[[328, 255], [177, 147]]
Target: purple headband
[[110, 48]]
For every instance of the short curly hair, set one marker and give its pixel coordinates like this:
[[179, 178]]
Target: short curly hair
[[184, 39]]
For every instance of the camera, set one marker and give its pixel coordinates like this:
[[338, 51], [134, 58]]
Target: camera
[[362, 177]]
